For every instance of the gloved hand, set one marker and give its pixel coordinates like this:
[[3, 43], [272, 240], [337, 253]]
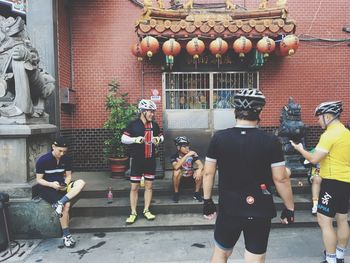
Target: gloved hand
[[156, 140], [209, 208], [288, 215], [139, 140]]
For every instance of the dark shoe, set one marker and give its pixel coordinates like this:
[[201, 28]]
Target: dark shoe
[[340, 260], [197, 196], [176, 198]]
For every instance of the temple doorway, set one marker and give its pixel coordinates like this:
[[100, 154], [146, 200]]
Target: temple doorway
[[196, 104]]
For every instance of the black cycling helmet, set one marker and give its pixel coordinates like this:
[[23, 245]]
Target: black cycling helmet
[[249, 100], [181, 140], [332, 107]]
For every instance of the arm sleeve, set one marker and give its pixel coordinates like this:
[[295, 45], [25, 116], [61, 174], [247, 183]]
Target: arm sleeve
[[39, 167], [173, 159], [211, 153], [324, 144], [128, 130], [277, 156], [69, 163], [127, 139]]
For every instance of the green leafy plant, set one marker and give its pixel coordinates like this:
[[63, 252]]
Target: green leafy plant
[[121, 111]]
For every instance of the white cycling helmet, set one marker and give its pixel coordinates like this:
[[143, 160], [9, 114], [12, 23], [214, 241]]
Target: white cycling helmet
[[333, 107], [147, 105], [249, 99]]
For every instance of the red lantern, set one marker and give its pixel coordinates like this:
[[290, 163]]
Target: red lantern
[[150, 45], [218, 47], [266, 46], [242, 46], [289, 45], [195, 47], [137, 51], [171, 48]]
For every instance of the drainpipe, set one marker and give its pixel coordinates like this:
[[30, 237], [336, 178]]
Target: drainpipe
[[142, 79]]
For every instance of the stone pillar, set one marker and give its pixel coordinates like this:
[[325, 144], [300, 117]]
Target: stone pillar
[[20, 147], [42, 28]]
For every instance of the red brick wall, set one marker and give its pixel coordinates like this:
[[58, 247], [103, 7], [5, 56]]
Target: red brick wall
[[318, 71], [103, 32], [102, 38]]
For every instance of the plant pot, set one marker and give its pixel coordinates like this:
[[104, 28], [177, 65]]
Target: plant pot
[[119, 166]]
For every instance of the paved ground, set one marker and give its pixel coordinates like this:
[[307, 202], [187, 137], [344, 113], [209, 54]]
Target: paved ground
[[297, 245]]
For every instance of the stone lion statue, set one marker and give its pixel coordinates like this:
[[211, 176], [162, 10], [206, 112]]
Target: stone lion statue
[[24, 86]]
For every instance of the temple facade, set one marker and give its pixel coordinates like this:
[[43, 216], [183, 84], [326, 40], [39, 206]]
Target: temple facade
[[189, 57]]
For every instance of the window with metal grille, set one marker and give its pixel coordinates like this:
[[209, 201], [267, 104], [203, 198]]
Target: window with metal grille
[[214, 90]]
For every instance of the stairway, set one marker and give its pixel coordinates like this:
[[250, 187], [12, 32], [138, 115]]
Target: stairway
[[92, 213]]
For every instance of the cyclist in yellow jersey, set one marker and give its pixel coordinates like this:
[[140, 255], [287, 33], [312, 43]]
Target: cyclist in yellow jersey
[[333, 154]]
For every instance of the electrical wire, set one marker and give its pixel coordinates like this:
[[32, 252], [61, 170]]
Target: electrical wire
[[315, 16]]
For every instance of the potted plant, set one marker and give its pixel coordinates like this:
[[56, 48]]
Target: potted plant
[[121, 111]]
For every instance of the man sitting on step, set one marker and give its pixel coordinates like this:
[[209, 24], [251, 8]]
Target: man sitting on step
[[54, 176], [184, 162]]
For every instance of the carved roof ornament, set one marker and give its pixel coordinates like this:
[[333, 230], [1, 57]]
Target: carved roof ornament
[[225, 19]]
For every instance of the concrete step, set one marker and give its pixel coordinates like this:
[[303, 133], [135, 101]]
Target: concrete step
[[121, 187], [97, 207], [186, 221]]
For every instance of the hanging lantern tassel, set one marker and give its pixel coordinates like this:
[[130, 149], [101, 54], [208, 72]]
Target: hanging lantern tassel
[[169, 61], [171, 48]]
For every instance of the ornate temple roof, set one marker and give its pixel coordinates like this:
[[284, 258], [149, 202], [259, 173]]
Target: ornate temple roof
[[213, 20]]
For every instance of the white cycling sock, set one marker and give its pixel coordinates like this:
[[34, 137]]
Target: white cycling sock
[[340, 252], [331, 258]]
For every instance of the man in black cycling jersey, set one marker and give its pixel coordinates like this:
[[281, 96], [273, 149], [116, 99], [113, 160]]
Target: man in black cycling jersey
[[143, 134], [249, 162]]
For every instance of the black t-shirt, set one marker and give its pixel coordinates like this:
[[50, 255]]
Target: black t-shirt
[[244, 157], [187, 167], [136, 128], [53, 171]]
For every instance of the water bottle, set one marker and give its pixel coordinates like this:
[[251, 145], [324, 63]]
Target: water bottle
[[142, 182], [264, 189], [109, 195]]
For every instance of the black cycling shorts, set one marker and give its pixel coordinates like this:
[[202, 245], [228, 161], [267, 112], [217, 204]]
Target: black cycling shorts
[[334, 198], [255, 230], [50, 195], [142, 167]]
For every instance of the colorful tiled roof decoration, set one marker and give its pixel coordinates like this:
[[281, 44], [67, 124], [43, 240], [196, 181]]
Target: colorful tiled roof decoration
[[213, 20]]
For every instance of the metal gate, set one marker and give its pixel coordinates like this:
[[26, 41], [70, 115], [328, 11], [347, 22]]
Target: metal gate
[[196, 104]]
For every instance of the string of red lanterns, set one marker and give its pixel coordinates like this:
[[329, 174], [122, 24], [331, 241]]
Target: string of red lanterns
[[149, 46]]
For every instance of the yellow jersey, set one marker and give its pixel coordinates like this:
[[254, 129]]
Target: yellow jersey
[[336, 142]]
